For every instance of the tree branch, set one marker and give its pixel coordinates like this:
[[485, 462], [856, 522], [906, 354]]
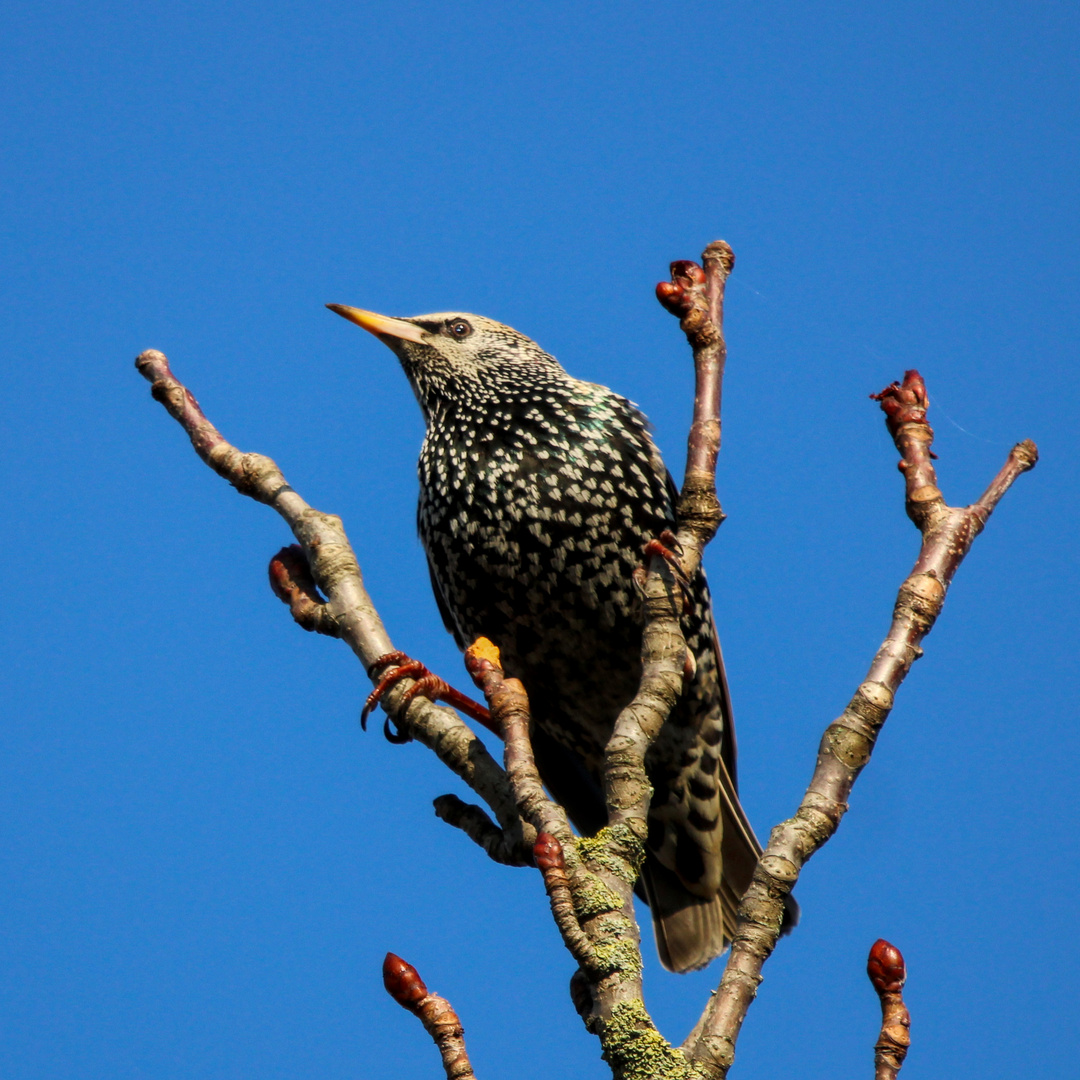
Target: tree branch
[[333, 570], [510, 712], [589, 881], [885, 967], [947, 536], [404, 985], [616, 1012], [499, 845], [696, 295]]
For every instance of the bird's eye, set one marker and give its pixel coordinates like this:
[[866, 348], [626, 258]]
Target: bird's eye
[[458, 328]]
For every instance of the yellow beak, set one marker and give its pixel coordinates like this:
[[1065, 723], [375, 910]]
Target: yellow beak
[[380, 325]]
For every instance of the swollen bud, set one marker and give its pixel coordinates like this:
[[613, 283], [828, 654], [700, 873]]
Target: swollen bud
[[904, 403], [548, 853], [403, 982], [689, 271], [287, 570], [885, 966], [671, 296]]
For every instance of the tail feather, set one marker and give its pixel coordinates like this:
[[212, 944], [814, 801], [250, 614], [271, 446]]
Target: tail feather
[[689, 929], [692, 930]]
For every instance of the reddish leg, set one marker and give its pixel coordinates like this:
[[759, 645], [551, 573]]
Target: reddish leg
[[426, 685], [665, 547]]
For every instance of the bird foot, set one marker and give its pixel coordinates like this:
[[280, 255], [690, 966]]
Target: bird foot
[[426, 685], [667, 546]]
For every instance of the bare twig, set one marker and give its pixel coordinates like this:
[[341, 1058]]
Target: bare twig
[[404, 985], [500, 846], [333, 570], [696, 294], [885, 967], [509, 706], [846, 746], [548, 853]]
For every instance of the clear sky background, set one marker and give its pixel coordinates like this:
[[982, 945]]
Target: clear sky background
[[203, 857]]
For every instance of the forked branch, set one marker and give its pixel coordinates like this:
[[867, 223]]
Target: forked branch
[[947, 535], [590, 882]]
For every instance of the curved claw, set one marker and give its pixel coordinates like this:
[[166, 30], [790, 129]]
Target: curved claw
[[398, 738]]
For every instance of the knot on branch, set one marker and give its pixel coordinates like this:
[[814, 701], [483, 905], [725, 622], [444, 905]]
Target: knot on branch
[[581, 997], [920, 600], [719, 259], [1026, 454]]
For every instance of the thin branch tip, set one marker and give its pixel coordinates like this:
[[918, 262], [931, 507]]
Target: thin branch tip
[[1027, 454], [404, 985], [720, 253], [888, 973]]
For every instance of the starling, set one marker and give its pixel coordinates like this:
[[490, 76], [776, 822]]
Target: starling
[[537, 493]]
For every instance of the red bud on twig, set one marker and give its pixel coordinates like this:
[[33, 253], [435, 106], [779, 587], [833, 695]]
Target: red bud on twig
[[671, 296], [904, 403], [285, 568], [403, 982], [686, 271], [548, 853], [885, 967]]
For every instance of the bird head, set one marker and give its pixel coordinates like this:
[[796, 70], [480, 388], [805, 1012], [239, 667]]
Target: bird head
[[452, 356]]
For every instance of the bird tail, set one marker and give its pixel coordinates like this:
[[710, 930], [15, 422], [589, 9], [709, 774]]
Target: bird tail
[[689, 929]]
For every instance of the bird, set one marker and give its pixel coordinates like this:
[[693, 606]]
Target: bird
[[537, 494]]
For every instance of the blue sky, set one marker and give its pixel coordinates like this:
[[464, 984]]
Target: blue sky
[[204, 858]]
